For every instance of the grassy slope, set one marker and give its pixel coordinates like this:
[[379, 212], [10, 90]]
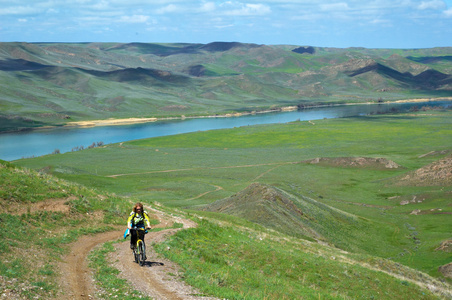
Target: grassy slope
[[249, 264], [192, 170], [32, 242]]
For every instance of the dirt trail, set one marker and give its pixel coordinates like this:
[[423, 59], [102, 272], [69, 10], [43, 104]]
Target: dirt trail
[[278, 164], [76, 278], [158, 278]]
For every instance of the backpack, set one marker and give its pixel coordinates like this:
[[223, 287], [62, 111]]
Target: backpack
[[145, 214]]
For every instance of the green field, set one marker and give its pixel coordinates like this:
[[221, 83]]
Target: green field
[[367, 219]]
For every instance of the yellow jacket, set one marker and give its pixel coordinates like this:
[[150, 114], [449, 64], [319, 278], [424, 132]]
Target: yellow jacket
[[136, 219]]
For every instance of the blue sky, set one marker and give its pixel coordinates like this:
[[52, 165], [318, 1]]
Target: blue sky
[[341, 23]]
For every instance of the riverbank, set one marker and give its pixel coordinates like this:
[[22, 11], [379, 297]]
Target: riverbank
[[110, 122], [421, 100], [64, 139], [130, 121]]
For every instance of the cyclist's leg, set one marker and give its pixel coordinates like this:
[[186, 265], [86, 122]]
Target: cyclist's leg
[[133, 238]]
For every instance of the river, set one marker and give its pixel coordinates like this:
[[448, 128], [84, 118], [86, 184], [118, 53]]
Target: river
[[19, 145]]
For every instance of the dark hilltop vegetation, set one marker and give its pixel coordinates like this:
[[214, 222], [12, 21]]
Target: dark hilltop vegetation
[[55, 83]]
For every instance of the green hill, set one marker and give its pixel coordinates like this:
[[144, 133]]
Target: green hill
[[278, 210], [55, 83]]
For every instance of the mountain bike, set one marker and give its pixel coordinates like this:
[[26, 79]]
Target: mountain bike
[[139, 251]]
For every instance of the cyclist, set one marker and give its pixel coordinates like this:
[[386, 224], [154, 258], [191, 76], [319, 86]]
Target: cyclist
[[140, 219]]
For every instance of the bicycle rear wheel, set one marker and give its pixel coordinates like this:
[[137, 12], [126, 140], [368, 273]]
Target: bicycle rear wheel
[[141, 253]]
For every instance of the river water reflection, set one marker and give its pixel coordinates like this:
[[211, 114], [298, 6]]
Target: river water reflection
[[40, 142]]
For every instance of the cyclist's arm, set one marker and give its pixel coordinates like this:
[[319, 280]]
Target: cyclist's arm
[[129, 221], [147, 220]]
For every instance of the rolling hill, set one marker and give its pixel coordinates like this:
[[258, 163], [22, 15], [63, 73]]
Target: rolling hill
[[276, 209], [54, 83]]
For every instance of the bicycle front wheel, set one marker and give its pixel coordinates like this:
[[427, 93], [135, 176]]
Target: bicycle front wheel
[[141, 252], [135, 254]]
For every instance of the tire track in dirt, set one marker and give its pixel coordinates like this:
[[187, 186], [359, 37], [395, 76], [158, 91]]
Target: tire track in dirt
[[159, 278]]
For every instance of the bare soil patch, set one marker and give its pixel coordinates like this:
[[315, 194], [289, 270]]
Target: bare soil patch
[[355, 162], [446, 270], [445, 246], [51, 205], [438, 173]]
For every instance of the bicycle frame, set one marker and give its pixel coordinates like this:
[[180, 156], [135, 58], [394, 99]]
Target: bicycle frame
[[139, 251]]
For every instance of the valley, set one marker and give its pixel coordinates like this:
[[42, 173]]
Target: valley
[[355, 207]]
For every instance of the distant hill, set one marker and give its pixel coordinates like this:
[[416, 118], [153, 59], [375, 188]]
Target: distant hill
[[54, 83]]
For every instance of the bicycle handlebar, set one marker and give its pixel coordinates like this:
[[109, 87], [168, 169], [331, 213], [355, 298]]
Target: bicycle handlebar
[[139, 228]]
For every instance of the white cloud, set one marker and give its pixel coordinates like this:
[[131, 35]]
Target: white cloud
[[245, 9], [223, 26], [171, 8], [20, 10], [134, 19], [52, 11], [128, 3], [381, 22], [208, 6], [448, 13], [203, 19], [101, 5], [93, 20], [433, 4]]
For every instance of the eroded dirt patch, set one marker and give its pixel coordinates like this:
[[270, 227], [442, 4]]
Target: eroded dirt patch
[[355, 162], [437, 173], [446, 270], [445, 246], [51, 205]]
